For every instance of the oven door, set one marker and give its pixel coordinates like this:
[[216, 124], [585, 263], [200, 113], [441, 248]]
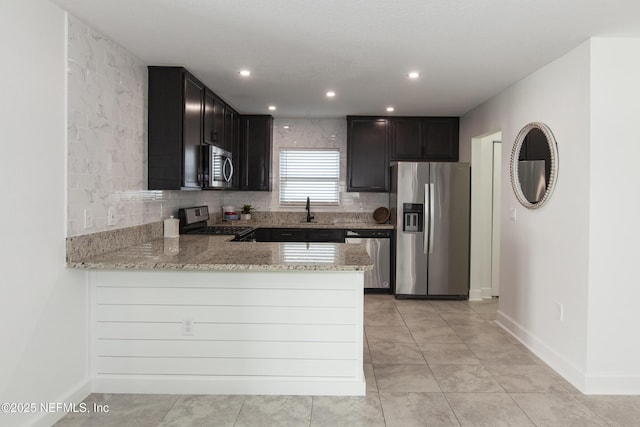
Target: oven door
[[217, 167]]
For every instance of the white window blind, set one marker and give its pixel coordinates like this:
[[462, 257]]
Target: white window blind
[[312, 173]]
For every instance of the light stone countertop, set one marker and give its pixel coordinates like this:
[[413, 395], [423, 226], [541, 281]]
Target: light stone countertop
[[195, 252]]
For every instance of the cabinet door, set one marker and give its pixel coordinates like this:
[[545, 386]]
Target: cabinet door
[[230, 133], [255, 151], [367, 154], [192, 132], [325, 235], [441, 138], [406, 139], [214, 111], [236, 151]]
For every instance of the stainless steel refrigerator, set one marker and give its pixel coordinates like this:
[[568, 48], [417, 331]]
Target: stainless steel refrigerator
[[430, 206]]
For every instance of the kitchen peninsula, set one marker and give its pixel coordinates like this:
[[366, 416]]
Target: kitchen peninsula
[[202, 315]]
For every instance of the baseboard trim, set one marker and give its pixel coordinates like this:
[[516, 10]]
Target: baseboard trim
[[556, 361], [76, 395], [487, 293], [612, 384], [475, 295], [213, 385]]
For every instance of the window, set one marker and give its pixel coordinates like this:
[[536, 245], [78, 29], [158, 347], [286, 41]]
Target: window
[[312, 173]]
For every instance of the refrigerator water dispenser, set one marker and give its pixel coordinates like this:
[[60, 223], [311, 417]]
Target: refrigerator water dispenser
[[412, 217]]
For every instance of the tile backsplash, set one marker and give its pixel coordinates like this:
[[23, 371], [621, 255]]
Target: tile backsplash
[[107, 145], [107, 139]]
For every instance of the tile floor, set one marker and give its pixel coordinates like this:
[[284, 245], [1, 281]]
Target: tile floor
[[427, 363]]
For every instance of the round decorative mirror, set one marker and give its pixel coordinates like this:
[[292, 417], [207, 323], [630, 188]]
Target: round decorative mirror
[[534, 165]]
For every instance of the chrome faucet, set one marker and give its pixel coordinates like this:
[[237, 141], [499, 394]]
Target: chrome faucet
[[309, 216]]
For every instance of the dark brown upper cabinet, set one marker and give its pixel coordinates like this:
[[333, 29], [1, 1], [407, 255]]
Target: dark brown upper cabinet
[[367, 154], [424, 138], [175, 129], [214, 115], [184, 115], [256, 141]]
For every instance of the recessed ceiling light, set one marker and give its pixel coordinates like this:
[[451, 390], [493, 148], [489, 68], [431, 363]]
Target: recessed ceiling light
[[331, 94], [390, 109], [245, 73], [272, 107], [414, 75], [285, 127]]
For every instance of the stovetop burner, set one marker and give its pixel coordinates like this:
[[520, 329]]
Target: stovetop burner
[[194, 221]]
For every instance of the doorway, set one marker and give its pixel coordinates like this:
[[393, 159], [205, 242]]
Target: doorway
[[486, 171]]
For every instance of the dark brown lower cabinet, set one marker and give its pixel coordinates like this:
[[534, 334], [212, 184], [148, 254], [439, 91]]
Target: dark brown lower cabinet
[[325, 235], [255, 152]]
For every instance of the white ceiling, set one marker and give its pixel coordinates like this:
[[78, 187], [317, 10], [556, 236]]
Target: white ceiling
[[466, 50]]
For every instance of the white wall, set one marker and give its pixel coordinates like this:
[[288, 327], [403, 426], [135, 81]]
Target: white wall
[[544, 254], [42, 305], [614, 229]]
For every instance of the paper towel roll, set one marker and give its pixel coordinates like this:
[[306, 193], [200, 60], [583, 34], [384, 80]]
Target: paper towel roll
[[171, 227]]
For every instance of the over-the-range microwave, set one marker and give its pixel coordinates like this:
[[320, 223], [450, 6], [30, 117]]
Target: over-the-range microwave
[[217, 167]]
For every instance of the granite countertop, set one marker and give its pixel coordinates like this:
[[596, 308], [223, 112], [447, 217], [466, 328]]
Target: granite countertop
[[196, 252]]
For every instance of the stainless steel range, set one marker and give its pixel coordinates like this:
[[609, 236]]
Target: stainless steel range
[[194, 221]]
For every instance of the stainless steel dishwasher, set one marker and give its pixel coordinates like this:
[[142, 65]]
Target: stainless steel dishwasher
[[378, 245]]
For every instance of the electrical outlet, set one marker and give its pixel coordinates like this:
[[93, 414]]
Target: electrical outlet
[[559, 312], [88, 218], [187, 327], [111, 216]]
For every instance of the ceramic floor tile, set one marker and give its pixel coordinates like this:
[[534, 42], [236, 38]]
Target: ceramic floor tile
[[376, 303], [398, 353], [275, 410], [490, 306], [405, 378], [388, 334], [487, 410], [489, 316], [137, 410], [528, 378], [347, 411], [465, 379], [556, 410], [451, 354], [391, 318], [451, 306], [434, 335], [366, 355], [454, 318], [203, 410], [417, 409], [370, 378], [501, 355], [416, 306], [621, 411], [423, 319]]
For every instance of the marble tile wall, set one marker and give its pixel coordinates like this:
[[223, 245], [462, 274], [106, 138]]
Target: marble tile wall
[[308, 133], [107, 138]]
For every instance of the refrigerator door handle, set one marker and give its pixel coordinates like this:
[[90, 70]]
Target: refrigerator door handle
[[427, 221], [432, 218]]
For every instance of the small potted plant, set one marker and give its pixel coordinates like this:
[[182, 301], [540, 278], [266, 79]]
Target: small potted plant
[[246, 212]]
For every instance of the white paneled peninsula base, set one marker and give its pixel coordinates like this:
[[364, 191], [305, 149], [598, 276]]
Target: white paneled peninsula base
[[288, 325]]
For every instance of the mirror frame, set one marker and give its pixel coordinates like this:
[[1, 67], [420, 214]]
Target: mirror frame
[[515, 154]]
